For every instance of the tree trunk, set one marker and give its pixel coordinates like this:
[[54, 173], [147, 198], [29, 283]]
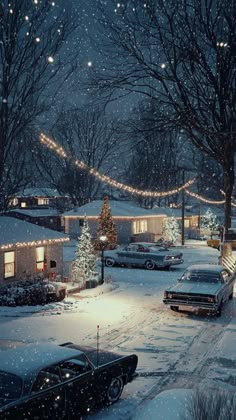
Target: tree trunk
[[228, 188]]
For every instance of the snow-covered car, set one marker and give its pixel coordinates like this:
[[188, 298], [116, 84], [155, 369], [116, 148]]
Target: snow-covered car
[[49, 381], [202, 286], [141, 255]]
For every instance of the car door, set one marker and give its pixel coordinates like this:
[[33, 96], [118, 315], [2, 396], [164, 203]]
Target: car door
[[47, 396], [77, 375], [46, 400]]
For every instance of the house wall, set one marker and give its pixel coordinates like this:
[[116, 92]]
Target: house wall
[[25, 262], [155, 225], [124, 228]]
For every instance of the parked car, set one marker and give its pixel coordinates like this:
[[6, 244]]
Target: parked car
[[202, 286], [139, 254], [48, 381]]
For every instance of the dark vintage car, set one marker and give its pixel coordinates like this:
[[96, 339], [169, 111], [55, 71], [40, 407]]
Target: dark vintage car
[[47, 381], [145, 255], [202, 286]]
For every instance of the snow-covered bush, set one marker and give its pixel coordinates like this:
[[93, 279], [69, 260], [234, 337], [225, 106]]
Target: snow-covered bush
[[30, 293]]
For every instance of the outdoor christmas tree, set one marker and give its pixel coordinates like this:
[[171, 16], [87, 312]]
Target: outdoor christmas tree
[[106, 226], [171, 229], [209, 221], [84, 264]]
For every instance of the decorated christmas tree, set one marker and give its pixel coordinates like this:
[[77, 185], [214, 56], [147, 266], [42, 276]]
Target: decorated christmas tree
[[171, 230], [209, 221], [106, 227], [84, 264]]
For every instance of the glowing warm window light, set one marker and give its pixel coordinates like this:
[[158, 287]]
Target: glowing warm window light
[[104, 178]]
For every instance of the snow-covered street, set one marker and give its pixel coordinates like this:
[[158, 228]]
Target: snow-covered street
[[175, 349]]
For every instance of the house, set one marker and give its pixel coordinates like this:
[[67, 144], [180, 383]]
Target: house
[[132, 222], [39, 198], [28, 250], [135, 223], [47, 217]]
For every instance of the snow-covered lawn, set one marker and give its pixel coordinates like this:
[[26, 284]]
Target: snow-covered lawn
[[175, 350]]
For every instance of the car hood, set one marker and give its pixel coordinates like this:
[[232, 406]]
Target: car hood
[[198, 288]]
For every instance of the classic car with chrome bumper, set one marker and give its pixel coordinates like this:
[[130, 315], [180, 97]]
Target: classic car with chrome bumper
[[202, 286], [143, 256]]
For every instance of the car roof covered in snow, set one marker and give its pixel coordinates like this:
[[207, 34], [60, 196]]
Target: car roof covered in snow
[[206, 267], [31, 358]]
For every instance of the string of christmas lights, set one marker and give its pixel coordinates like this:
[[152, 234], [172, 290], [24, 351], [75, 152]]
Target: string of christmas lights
[[51, 144], [205, 200], [104, 178]]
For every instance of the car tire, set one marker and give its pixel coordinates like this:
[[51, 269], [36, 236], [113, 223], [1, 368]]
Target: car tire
[[109, 262], [114, 390], [149, 265], [174, 308], [62, 294], [219, 310], [231, 295]]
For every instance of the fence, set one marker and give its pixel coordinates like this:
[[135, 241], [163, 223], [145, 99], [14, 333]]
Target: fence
[[229, 262]]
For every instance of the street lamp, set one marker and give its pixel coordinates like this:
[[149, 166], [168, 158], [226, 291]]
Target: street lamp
[[103, 240]]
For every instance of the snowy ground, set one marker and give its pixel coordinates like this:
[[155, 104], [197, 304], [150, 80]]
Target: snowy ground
[[175, 350]]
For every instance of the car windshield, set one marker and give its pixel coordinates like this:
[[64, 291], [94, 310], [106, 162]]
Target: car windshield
[[10, 386], [200, 276]]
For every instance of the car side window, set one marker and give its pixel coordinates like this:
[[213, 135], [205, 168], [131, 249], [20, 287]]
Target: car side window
[[46, 378], [73, 367], [225, 275]]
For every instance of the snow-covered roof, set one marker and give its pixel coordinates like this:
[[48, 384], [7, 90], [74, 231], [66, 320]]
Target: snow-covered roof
[[16, 232], [38, 192], [24, 360], [37, 212], [118, 209]]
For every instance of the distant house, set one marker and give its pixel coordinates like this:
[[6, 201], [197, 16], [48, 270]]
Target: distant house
[[28, 250], [133, 222], [49, 218], [39, 198]]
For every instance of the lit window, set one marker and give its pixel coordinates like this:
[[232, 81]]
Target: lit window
[[13, 202], [40, 259], [140, 226], [9, 264], [186, 223], [23, 204], [43, 201]]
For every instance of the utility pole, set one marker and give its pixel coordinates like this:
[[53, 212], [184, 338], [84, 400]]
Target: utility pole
[[182, 214]]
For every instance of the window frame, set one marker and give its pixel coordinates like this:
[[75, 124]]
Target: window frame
[[40, 261], [9, 263]]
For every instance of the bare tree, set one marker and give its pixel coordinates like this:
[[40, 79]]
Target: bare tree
[[182, 53], [31, 35], [88, 135], [155, 153]]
